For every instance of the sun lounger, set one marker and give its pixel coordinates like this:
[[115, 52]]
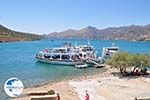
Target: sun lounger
[[140, 98], [37, 93], [143, 98], [44, 97]]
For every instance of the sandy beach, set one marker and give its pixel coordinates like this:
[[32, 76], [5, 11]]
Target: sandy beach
[[103, 86]]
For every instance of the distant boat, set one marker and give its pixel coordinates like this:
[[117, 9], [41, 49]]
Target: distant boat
[[108, 52], [67, 55]]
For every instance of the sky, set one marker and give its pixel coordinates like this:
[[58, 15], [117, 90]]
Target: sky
[[46, 16]]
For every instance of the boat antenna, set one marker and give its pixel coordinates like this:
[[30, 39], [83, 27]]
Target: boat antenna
[[88, 42], [75, 44], [113, 44]]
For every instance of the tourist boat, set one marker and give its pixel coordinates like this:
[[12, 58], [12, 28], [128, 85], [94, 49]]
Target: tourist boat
[[67, 55], [108, 52]]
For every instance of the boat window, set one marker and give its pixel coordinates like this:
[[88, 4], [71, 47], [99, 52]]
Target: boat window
[[75, 57], [47, 56], [68, 49], [56, 56], [62, 50], [40, 55], [65, 56], [80, 55], [89, 49], [59, 50], [113, 49], [84, 50]]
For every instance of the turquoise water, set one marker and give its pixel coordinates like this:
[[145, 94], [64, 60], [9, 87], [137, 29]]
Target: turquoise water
[[17, 59]]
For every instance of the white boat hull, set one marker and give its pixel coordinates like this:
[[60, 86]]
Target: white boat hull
[[81, 66], [60, 62]]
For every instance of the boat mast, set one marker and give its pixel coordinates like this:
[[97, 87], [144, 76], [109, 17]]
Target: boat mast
[[89, 43]]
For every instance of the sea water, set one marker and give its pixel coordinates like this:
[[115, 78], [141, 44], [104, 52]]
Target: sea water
[[17, 59]]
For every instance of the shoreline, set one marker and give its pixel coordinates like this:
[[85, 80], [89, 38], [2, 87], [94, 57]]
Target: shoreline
[[24, 95], [82, 76], [19, 41], [100, 86]]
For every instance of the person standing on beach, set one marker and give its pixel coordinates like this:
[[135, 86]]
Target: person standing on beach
[[87, 97], [58, 96]]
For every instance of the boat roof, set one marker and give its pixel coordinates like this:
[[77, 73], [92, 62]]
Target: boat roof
[[65, 53], [116, 47]]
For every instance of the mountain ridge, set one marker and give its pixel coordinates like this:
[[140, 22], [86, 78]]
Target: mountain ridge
[[132, 33], [8, 35]]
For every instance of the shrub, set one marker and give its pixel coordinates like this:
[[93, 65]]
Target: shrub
[[51, 92], [123, 60]]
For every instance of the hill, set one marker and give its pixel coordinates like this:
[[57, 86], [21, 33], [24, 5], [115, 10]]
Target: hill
[[133, 33], [7, 35]]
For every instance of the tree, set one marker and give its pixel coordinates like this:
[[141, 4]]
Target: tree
[[120, 61], [123, 60], [140, 61]]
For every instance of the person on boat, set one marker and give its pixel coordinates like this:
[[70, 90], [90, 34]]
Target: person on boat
[[58, 96], [87, 97], [45, 50]]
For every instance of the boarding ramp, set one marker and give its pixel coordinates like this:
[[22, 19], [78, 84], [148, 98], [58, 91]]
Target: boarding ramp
[[96, 64]]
